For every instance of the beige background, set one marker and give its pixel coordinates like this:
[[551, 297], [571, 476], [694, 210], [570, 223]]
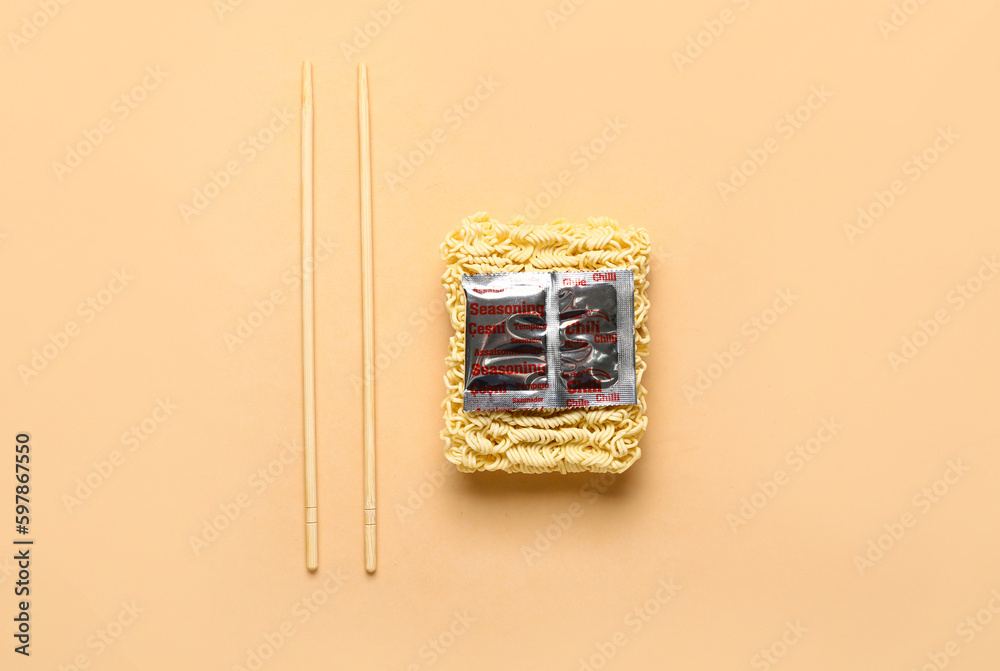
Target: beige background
[[474, 545]]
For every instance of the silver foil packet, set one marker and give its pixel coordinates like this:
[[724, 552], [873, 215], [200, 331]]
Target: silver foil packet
[[536, 340]]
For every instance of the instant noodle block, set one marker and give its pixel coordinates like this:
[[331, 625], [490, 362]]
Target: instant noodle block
[[603, 439]]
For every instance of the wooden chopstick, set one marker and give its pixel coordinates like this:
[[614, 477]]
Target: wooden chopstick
[[367, 316], [308, 323]]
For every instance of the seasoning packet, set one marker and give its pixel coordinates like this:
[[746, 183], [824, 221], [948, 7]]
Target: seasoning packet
[[538, 340]]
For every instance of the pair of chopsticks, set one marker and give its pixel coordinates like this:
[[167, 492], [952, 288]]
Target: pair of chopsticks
[[308, 320]]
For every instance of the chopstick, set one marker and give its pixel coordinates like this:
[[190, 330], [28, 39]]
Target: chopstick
[[308, 323], [367, 316]]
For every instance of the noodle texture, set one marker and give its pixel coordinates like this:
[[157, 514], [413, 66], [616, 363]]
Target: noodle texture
[[598, 440]]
